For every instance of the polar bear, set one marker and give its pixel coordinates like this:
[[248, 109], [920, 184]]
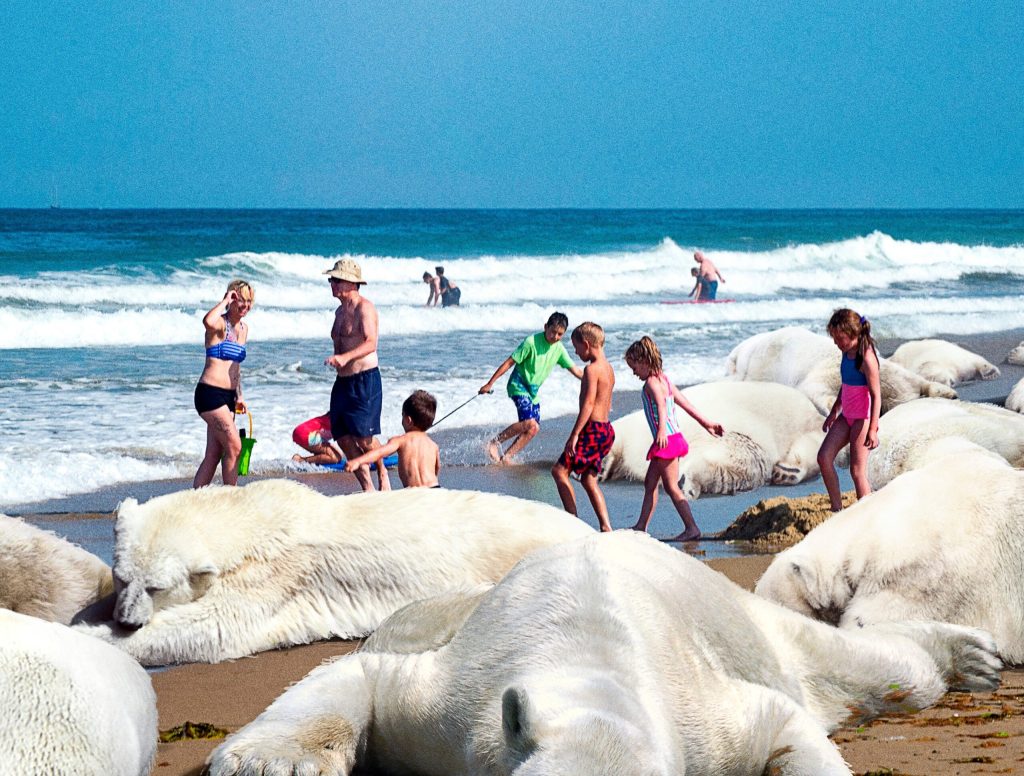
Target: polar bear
[[810, 363], [611, 654], [71, 704], [943, 542], [217, 573], [943, 362], [906, 434], [772, 434], [1015, 401], [46, 576], [1016, 356]]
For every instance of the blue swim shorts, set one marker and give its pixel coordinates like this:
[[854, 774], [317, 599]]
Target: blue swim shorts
[[525, 408], [356, 402], [712, 289]]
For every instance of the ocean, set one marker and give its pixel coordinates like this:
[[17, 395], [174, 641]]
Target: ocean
[[101, 338]]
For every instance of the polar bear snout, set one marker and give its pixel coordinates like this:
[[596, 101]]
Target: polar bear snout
[[134, 606]]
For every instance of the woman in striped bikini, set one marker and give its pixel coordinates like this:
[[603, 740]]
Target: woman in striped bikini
[[853, 420], [219, 392]]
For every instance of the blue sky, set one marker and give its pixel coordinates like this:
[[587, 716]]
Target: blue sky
[[512, 104]]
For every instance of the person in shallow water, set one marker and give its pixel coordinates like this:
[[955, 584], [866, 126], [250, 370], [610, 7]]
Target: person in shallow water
[[450, 293], [531, 364], [218, 396]]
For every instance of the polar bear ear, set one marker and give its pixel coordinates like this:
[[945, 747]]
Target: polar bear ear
[[126, 506], [515, 719]]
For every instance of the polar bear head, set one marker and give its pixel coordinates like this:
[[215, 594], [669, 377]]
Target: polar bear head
[[542, 739], [798, 582], [155, 569]]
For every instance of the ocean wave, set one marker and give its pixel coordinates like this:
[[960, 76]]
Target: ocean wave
[[29, 328]]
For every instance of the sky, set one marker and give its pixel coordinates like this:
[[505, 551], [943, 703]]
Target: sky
[[509, 103]]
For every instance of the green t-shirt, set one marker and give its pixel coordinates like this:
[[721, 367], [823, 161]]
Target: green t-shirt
[[535, 359]]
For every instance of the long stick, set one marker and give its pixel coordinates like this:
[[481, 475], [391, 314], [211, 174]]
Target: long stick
[[467, 401]]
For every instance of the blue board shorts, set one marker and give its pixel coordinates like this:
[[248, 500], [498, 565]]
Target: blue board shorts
[[525, 408], [356, 402], [711, 289]]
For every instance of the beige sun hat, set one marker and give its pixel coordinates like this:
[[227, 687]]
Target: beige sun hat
[[346, 269]]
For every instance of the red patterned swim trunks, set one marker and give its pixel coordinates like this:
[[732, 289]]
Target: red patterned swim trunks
[[594, 442]]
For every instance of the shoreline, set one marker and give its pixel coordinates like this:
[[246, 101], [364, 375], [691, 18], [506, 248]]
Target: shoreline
[[529, 479]]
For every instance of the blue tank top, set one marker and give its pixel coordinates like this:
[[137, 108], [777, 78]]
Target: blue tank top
[[229, 349], [850, 373]]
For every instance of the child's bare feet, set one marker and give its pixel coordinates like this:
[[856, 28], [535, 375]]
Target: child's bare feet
[[298, 458], [638, 527], [685, 536], [494, 451]]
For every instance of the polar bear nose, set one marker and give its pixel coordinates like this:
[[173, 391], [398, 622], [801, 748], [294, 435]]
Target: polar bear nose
[[134, 606]]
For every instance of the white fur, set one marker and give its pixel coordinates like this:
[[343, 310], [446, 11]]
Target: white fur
[[943, 542], [810, 363], [1016, 356], [772, 434], [943, 362], [219, 573], [70, 704], [46, 576], [1015, 401], [907, 433], [607, 655]]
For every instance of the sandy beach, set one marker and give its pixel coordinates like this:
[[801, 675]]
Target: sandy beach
[[964, 733]]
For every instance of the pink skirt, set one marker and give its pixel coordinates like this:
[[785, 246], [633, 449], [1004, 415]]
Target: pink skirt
[[856, 401], [676, 448]]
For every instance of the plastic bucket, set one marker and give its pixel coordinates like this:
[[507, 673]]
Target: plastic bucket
[[247, 443]]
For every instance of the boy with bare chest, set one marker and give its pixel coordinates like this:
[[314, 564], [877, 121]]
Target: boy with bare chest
[[592, 435], [419, 460]]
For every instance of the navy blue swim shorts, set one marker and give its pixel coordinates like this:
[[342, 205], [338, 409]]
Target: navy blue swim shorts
[[356, 402]]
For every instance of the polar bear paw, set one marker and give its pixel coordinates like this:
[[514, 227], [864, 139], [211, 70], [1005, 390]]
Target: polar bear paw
[[966, 657], [273, 753], [785, 474]]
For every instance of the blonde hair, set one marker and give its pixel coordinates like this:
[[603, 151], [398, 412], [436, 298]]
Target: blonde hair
[[852, 324], [645, 352], [589, 332], [237, 286]]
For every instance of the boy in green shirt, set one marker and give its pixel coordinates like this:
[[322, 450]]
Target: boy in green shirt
[[534, 360]]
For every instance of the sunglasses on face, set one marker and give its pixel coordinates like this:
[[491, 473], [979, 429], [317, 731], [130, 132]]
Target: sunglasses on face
[[332, 281]]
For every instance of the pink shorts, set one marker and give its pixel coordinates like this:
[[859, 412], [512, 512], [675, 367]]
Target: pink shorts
[[676, 448], [312, 432], [856, 401]]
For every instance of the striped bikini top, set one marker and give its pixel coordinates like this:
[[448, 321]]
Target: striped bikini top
[[228, 349], [652, 411]]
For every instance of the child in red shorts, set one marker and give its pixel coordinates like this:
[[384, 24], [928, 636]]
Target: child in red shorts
[[592, 435]]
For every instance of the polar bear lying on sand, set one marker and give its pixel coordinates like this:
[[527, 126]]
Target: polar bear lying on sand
[[217, 573], [1015, 401], [944, 542], [907, 433], [46, 576], [810, 363], [608, 655], [772, 433], [943, 362], [1016, 356], [71, 704]]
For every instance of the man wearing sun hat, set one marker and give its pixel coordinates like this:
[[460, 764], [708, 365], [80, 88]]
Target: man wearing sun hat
[[357, 394]]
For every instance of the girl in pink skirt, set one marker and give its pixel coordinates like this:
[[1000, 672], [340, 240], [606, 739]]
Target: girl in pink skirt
[[660, 397], [853, 420]]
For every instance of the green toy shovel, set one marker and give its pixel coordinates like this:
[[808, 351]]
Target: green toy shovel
[[247, 443]]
